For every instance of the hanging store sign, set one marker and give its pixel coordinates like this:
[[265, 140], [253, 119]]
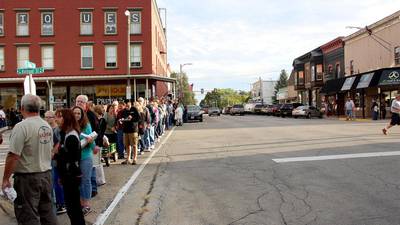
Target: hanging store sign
[[390, 77], [110, 90], [348, 83], [365, 80]]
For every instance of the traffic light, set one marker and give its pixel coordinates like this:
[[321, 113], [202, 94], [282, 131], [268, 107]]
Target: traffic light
[[202, 91]]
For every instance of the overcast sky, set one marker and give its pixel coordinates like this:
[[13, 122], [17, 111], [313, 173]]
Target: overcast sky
[[231, 43]]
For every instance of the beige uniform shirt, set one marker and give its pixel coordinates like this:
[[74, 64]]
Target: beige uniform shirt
[[32, 140]]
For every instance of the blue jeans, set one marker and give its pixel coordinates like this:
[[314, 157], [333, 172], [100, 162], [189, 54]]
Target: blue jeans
[[146, 138], [151, 136], [86, 185], [349, 113], [93, 180], [59, 192], [120, 143]]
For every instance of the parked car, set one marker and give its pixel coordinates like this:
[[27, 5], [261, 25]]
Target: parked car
[[227, 110], [258, 108], [275, 111], [306, 111], [214, 111], [268, 110], [286, 109], [205, 109], [237, 109], [249, 107], [194, 112]]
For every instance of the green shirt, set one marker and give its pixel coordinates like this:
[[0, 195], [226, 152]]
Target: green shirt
[[87, 152]]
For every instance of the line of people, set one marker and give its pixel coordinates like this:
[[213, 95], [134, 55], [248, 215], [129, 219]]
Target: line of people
[[62, 157]]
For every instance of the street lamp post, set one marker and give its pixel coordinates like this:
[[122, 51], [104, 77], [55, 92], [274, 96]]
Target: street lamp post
[[181, 78], [128, 87]]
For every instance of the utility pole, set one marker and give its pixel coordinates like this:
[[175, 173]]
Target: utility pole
[[181, 95]]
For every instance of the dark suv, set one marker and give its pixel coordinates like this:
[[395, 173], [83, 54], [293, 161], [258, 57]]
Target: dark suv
[[286, 109], [194, 112]]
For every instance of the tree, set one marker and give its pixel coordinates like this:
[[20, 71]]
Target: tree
[[182, 85], [224, 97], [282, 82]]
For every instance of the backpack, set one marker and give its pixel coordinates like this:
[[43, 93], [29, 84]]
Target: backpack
[[152, 114]]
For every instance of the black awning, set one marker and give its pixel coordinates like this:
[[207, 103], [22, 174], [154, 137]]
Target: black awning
[[350, 83], [332, 86], [390, 77]]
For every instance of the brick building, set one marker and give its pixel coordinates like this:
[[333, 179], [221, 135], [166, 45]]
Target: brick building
[[83, 46]]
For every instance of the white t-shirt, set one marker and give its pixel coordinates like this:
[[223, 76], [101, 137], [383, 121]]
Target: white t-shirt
[[349, 105], [2, 114], [32, 140], [395, 108]]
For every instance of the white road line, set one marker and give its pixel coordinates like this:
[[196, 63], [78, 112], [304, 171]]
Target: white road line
[[101, 219], [343, 156]]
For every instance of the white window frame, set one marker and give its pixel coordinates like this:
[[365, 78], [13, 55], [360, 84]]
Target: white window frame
[[2, 59], [82, 55], [42, 23], [18, 32], [21, 60], [47, 61], [1, 24], [113, 59], [84, 26], [136, 55], [136, 22], [106, 24]]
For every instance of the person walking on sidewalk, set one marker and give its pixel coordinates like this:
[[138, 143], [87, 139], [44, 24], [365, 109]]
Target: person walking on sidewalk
[[375, 110], [395, 109], [349, 107], [29, 158], [68, 159]]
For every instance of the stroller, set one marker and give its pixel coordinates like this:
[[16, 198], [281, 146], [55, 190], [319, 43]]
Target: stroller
[[108, 153]]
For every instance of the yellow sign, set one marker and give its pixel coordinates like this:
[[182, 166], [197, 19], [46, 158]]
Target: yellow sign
[[110, 90]]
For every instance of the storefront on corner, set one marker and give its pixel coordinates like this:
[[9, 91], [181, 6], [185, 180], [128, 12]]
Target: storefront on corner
[[379, 86], [61, 92]]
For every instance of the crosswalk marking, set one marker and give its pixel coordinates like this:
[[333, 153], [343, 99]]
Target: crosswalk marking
[[342, 156]]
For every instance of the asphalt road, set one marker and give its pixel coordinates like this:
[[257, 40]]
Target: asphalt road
[[222, 171]]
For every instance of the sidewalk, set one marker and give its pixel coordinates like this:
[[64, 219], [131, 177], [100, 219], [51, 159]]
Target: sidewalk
[[343, 118]]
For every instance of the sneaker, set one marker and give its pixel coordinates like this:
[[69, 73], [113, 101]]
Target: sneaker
[[152, 147], [86, 210], [61, 210], [384, 131], [140, 153], [146, 150]]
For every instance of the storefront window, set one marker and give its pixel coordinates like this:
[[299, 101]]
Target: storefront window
[[9, 97], [82, 90], [357, 100], [60, 97]]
